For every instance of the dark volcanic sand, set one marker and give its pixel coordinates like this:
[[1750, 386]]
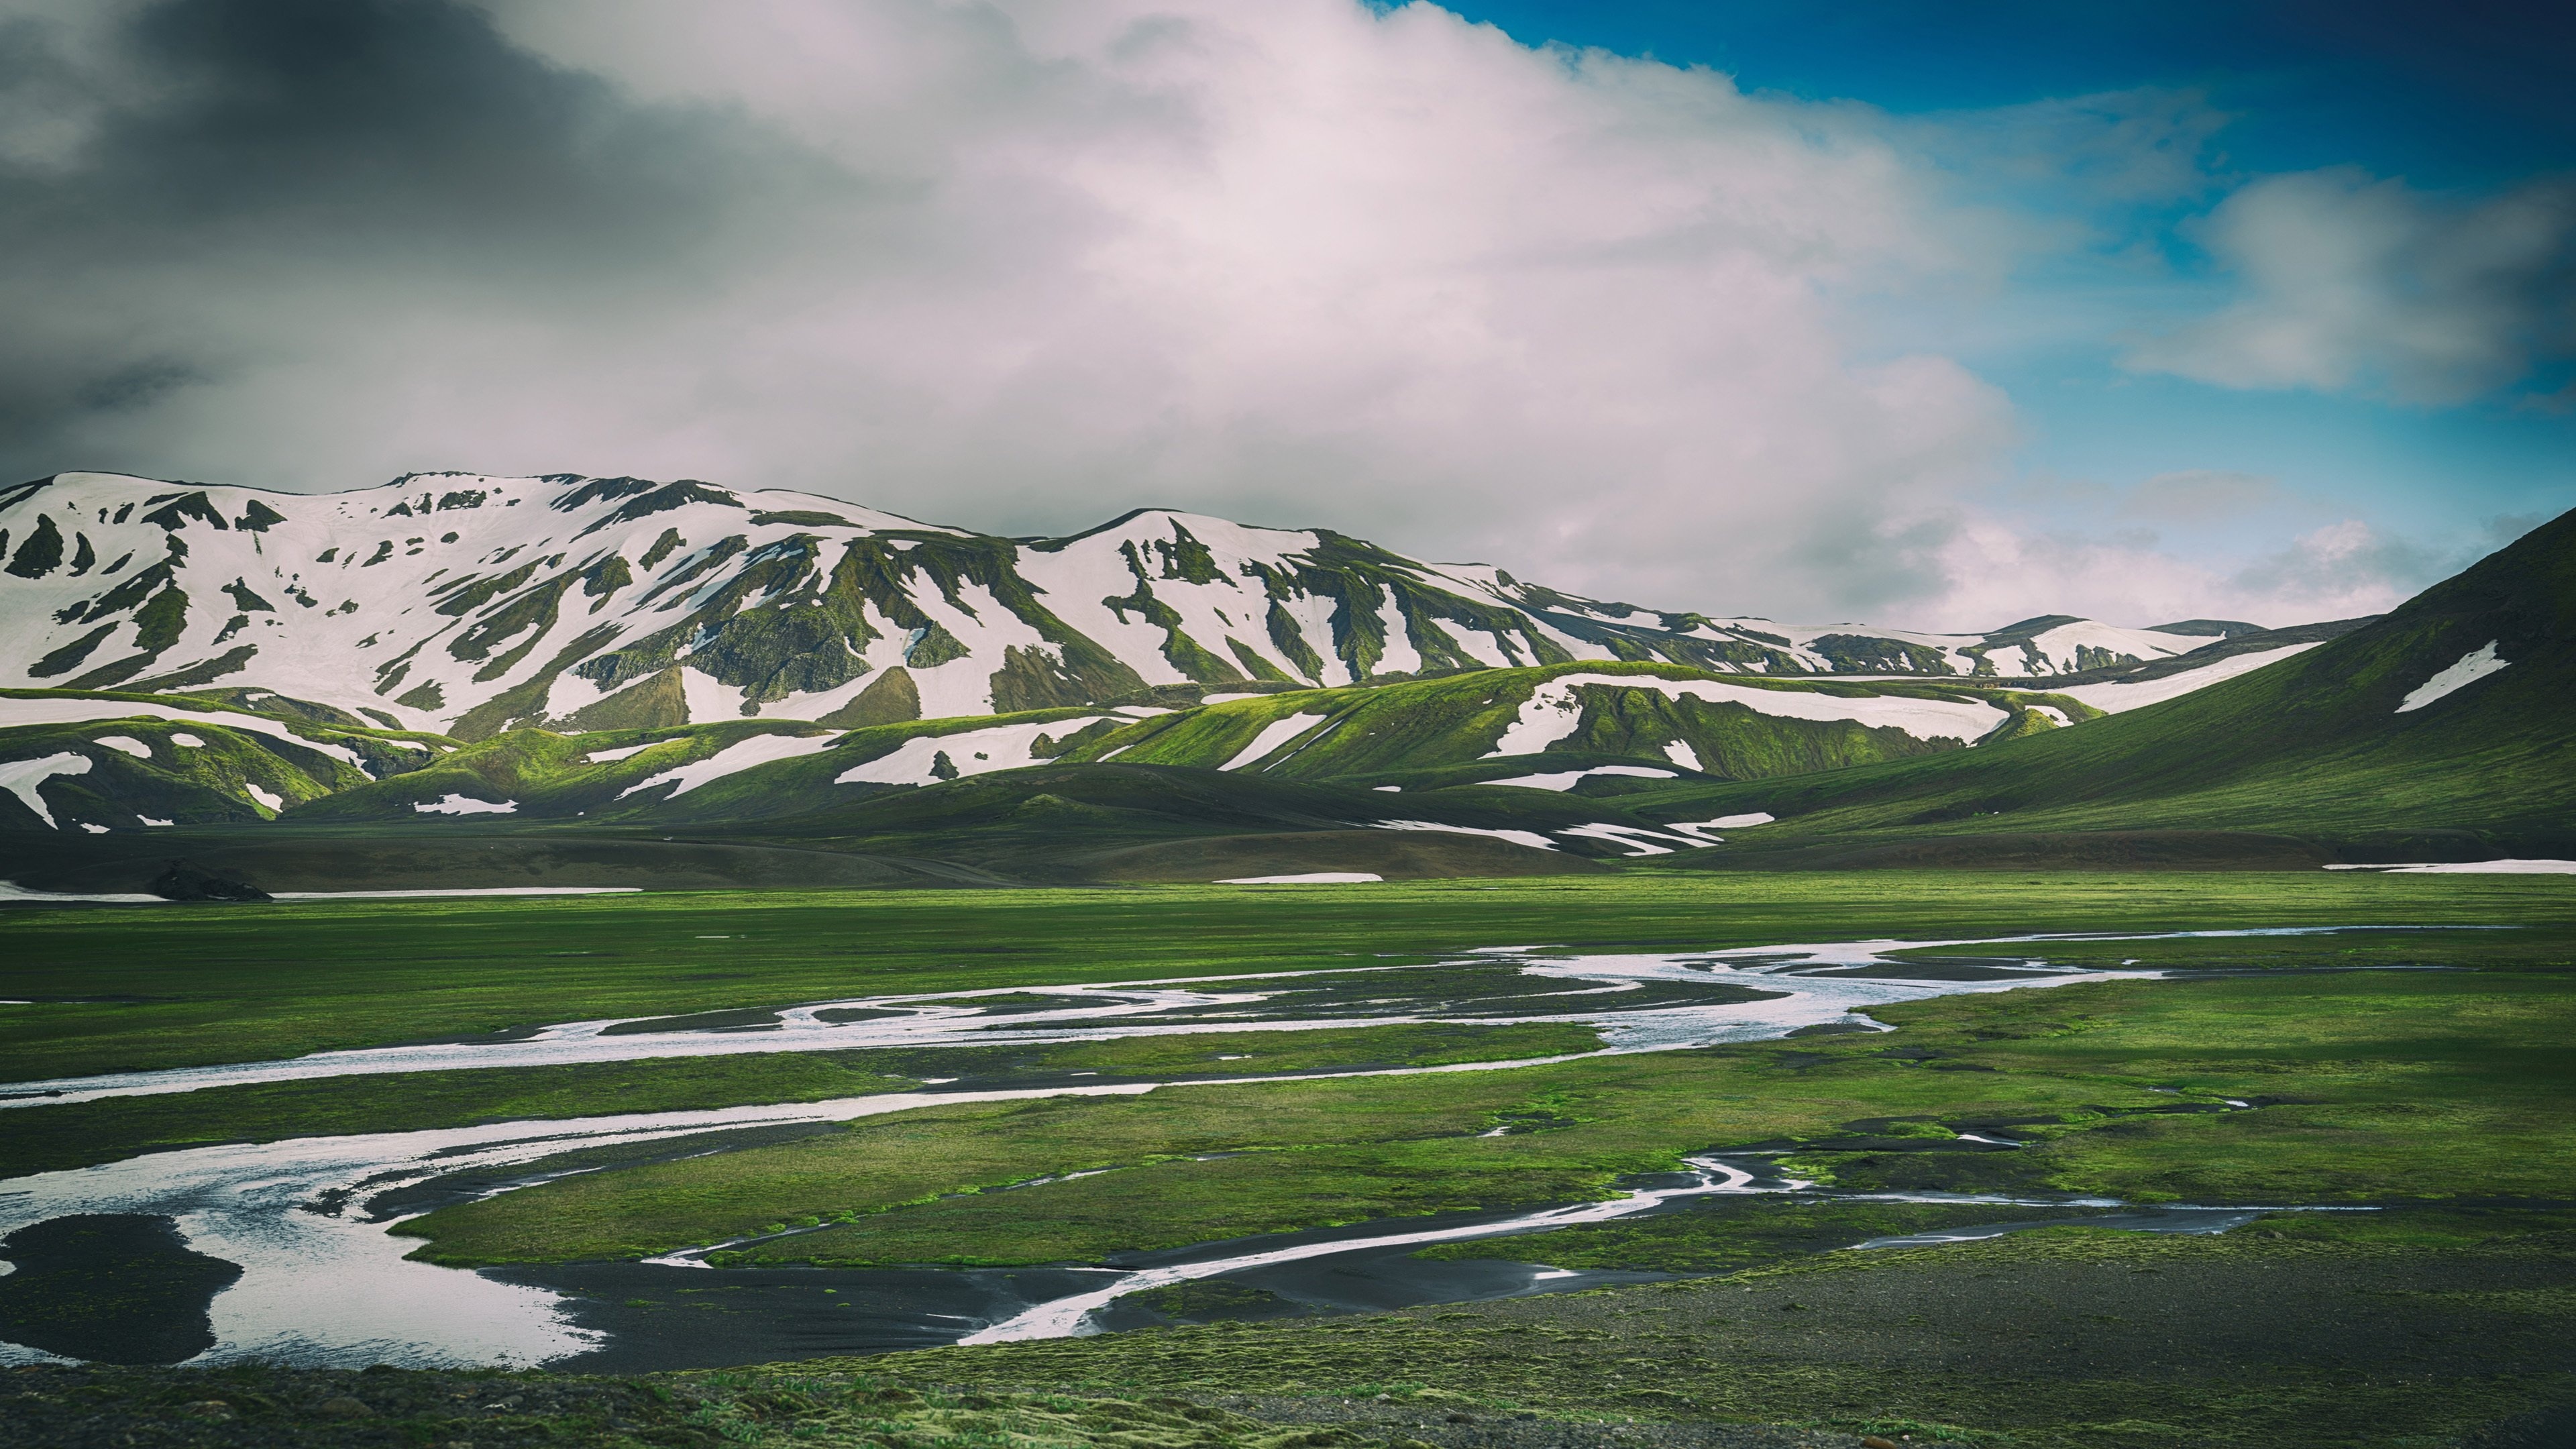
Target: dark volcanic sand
[[111, 1287]]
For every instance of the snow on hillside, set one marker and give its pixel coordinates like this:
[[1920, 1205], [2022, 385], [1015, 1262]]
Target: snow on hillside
[[1273, 735], [918, 761], [1554, 711], [468, 604], [2116, 697], [2473, 666], [733, 759], [16, 711]]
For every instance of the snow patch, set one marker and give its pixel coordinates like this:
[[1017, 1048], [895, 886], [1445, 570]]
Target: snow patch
[[2113, 698], [1568, 779], [602, 757], [93, 829], [733, 759], [1320, 877], [1639, 841], [1274, 734], [148, 820], [1680, 753], [1388, 789], [467, 805], [125, 744], [1552, 711], [82, 711], [971, 752], [273, 801], [11, 891], [463, 891], [21, 777], [708, 698], [2473, 666], [1740, 822], [2473, 867], [1530, 838]]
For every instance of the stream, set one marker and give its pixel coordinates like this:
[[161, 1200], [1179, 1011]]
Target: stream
[[321, 1282]]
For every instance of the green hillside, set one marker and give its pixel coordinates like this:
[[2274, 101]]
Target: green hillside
[[2314, 748], [2435, 732]]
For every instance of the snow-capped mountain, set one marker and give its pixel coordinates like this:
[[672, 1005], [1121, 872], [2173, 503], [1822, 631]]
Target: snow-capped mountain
[[467, 604]]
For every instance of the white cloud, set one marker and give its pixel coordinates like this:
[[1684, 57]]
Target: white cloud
[[2338, 571], [2200, 495], [1303, 262], [2348, 282]]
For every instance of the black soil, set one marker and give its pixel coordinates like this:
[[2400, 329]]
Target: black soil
[[110, 1287], [184, 881]]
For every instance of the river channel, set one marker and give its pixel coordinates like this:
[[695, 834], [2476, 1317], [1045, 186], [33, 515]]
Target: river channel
[[291, 1237]]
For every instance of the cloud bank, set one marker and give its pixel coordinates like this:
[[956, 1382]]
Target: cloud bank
[[2351, 282], [1021, 266]]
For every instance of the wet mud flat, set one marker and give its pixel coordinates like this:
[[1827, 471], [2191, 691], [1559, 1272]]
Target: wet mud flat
[[111, 1287]]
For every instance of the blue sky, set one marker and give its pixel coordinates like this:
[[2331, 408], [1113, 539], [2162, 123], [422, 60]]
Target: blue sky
[[2461, 102]]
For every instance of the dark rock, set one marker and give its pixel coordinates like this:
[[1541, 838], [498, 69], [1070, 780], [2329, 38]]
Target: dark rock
[[186, 882]]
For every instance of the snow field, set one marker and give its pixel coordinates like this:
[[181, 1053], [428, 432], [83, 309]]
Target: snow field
[[733, 759], [972, 752], [2473, 867], [1564, 780], [1273, 735], [2114, 698], [1530, 838], [1639, 842], [1318, 877], [21, 777], [467, 805], [1553, 713], [15, 712], [2471, 667], [603, 757]]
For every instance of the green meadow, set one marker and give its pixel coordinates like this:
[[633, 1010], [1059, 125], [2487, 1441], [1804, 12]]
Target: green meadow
[[2418, 1073]]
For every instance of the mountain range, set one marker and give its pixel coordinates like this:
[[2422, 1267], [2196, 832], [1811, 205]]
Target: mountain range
[[571, 680]]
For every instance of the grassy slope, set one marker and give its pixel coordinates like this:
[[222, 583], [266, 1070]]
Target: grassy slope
[[2311, 745], [1427, 731], [192, 784]]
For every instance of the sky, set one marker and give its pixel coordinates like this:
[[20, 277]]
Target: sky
[[1921, 314]]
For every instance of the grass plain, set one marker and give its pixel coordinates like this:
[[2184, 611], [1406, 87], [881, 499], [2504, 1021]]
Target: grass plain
[[2422, 1072], [123, 989]]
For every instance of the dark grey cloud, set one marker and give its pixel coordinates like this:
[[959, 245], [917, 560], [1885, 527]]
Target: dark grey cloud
[[336, 160]]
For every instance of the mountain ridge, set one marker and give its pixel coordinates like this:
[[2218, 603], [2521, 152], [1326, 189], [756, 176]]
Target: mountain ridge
[[426, 604]]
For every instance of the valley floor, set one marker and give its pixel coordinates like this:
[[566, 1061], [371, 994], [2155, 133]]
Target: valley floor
[[2396, 1100]]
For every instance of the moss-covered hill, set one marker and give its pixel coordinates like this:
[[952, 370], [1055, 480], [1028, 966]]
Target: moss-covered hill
[[2436, 732], [2442, 726]]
